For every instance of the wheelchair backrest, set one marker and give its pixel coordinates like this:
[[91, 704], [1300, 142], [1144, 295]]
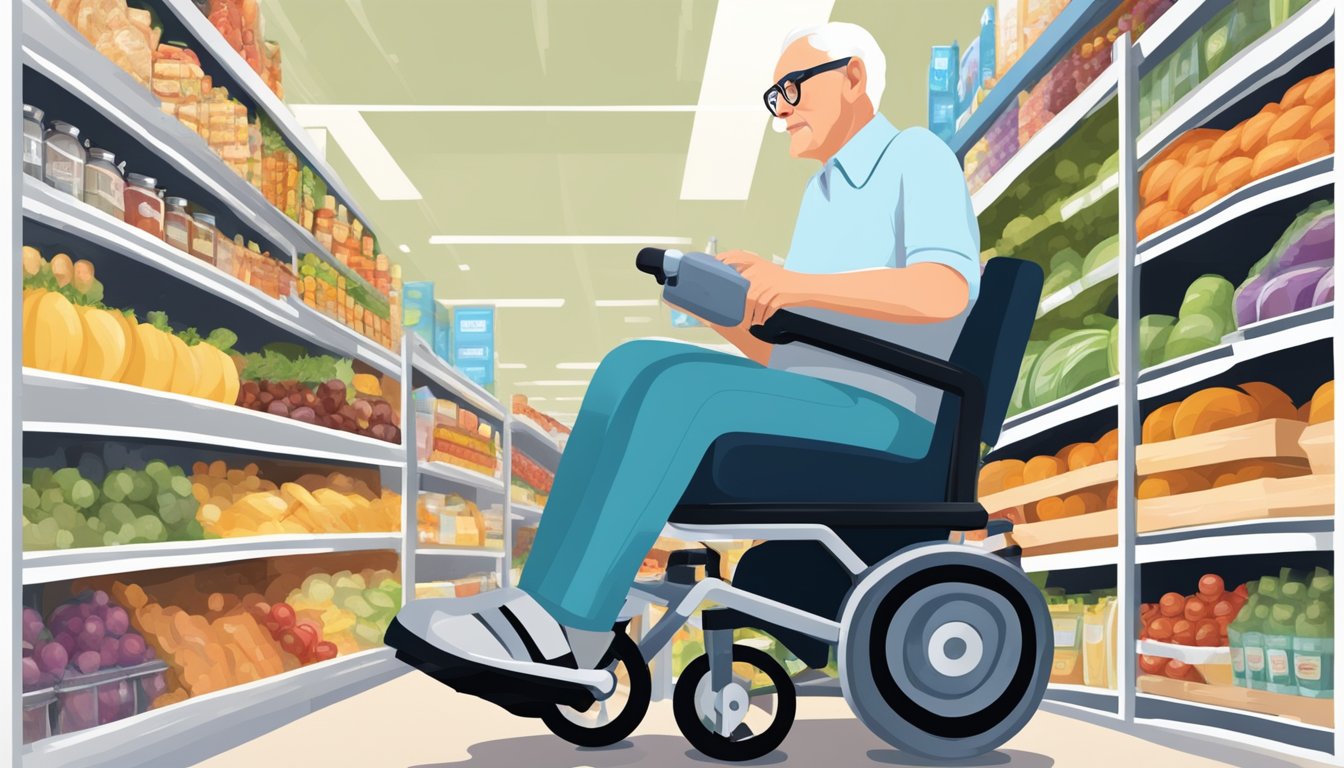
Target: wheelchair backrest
[[994, 338]]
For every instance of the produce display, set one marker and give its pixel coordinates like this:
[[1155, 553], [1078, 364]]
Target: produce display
[[1200, 619], [67, 508], [531, 482], [548, 424], [344, 612], [239, 21], [239, 502], [1205, 164], [1085, 637], [72, 653], [1230, 31], [454, 434], [1063, 363], [464, 586], [368, 313], [453, 521], [1282, 639], [67, 329], [317, 389], [1296, 274], [999, 476]]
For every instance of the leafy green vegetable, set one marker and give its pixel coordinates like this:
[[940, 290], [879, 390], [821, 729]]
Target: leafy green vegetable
[[222, 338], [271, 365], [159, 320], [190, 337]]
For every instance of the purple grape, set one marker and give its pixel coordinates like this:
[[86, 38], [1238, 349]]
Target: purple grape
[[32, 628], [53, 658], [67, 643], [73, 625], [117, 621], [132, 650], [77, 710], [31, 674], [109, 652], [62, 613], [115, 701], [100, 598], [28, 649], [87, 662], [86, 610]]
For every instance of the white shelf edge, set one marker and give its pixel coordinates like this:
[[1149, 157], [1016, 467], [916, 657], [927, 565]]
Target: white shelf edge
[[1075, 289], [1233, 544], [524, 424], [1233, 738], [1092, 399], [210, 723], [238, 69], [1074, 687], [1277, 719], [121, 410], [1060, 126], [1264, 60], [424, 360], [1066, 561], [1300, 179], [1190, 654], [46, 566], [449, 473], [438, 551]]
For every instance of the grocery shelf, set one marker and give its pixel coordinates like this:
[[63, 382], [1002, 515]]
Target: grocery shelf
[[338, 337], [525, 513], [453, 474], [1174, 28], [1267, 337], [211, 43], [1085, 696], [202, 726], [55, 402], [425, 361], [1078, 17], [1225, 722], [1270, 57], [1064, 561], [1060, 126], [54, 49], [1316, 174], [1190, 654], [534, 441], [433, 550], [1251, 537], [1085, 402], [65, 564]]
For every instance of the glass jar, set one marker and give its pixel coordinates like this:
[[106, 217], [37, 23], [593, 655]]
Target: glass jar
[[104, 187], [32, 142], [63, 159], [203, 236], [177, 224], [144, 207], [224, 253]]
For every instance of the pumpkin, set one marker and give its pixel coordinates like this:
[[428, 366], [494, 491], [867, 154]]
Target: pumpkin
[[1272, 401], [1157, 427], [152, 359], [1212, 409], [52, 331], [1322, 404], [104, 345]]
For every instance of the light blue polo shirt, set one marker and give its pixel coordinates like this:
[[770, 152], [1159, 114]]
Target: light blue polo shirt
[[888, 198]]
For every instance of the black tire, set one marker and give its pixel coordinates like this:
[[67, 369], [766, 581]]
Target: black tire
[[626, 653], [727, 747]]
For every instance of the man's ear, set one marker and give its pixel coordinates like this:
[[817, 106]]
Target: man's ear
[[856, 79]]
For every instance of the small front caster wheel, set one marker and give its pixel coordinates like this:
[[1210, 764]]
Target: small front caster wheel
[[614, 718], [747, 719]]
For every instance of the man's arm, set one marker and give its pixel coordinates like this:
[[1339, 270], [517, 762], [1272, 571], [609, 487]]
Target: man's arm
[[739, 336]]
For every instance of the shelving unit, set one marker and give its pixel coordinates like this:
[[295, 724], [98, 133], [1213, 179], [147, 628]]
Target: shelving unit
[[1195, 243]]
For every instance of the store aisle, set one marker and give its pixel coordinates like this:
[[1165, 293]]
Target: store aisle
[[414, 721]]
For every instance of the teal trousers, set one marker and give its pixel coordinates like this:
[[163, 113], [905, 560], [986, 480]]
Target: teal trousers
[[651, 411]]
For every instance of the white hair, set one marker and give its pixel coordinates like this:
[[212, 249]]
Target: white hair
[[838, 39]]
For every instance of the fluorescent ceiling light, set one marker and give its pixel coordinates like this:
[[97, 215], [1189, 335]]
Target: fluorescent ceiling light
[[747, 106], [568, 399], [557, 240], [576, 366], [554, 383], [511, 366], [364, 149], [626, 303], [464, 267], [532, 399], [638, 319], [505, 303], [404, 248], [743, 49]]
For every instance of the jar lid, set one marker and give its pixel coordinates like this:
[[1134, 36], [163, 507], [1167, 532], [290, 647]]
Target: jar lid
[[204, 218], [30, 111], [141, 180], [102, 154], [178, 202], [63, 127]]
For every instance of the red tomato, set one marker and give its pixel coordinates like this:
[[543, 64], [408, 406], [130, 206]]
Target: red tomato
[[1183, 632], [283, 614], [1223, 608], [1244, 591], [1208, 633], [1160, 629], [1152, 665], [1211, 584], [1172, 605], [1197, 609], [1178, 669]]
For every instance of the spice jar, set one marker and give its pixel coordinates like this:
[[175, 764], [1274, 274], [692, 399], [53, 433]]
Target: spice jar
[[144, 207], [177, 224], [32, 142], [63, 160], [104, 188], [203, 235]]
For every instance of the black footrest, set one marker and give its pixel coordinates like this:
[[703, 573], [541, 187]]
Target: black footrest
[[681, 564]]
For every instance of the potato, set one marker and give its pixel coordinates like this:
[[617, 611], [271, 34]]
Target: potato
[[1158, 427], [1255, 133], [1233, 175], [1321, 89], [1212, 409], [1276, 157]]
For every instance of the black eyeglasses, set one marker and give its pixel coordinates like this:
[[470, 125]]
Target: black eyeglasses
[[790, 86]]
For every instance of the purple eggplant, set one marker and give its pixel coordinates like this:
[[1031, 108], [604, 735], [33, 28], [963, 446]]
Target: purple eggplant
[[1289, 291], [1325, 289]]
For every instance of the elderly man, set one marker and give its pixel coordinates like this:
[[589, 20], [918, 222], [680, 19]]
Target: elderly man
[[885, 241]]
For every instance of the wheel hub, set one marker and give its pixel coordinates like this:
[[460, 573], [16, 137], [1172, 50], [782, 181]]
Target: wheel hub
[[955, 649]]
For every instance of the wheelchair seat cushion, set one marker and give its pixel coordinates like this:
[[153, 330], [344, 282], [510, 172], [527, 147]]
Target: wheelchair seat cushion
[[744, 467]]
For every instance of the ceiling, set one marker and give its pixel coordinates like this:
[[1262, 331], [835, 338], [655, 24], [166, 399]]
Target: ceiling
[[562, 173]]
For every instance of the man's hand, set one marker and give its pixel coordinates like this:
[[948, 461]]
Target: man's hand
[[772, 286], [740, 260]]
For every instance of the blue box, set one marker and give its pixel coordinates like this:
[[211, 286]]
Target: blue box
[[418, 310], [443, 333], [968, 80], [943, 115], [474, 343], [987, 61], [943, 69]]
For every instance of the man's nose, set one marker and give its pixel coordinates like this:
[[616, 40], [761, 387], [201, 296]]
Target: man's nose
[[783, 108]]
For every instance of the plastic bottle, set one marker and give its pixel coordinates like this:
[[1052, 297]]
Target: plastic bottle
[[1322, 587], [1235, 632], [1279, 646], [698, 283], [1253, 645], [1314, 651], [1097, 614]]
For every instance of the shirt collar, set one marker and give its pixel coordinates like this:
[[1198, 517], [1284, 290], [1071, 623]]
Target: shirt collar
[[859, 156]]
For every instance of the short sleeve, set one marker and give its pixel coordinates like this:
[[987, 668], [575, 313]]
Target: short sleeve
[[936, 217]]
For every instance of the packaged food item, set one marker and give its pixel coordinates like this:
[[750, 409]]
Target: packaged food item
[[1236, 632], [203, 236], [177, 224], [1278, 631], [33, 149], [1253, 638], [1008, 35], [1099, 627], [1066, 618], [1314, 651], [104, 187], [144, 207], [63, 162]]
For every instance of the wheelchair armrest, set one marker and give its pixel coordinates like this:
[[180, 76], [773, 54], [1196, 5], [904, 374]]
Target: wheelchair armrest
[[784, 327]]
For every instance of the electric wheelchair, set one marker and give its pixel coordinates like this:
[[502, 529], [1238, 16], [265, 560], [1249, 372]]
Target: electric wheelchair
[[942, 650]]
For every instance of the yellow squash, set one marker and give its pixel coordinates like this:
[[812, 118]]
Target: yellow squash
[[151, 359], [210, 377], [31, 298], [104, 345], [231, 383], [185, 373], [53, 338]]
